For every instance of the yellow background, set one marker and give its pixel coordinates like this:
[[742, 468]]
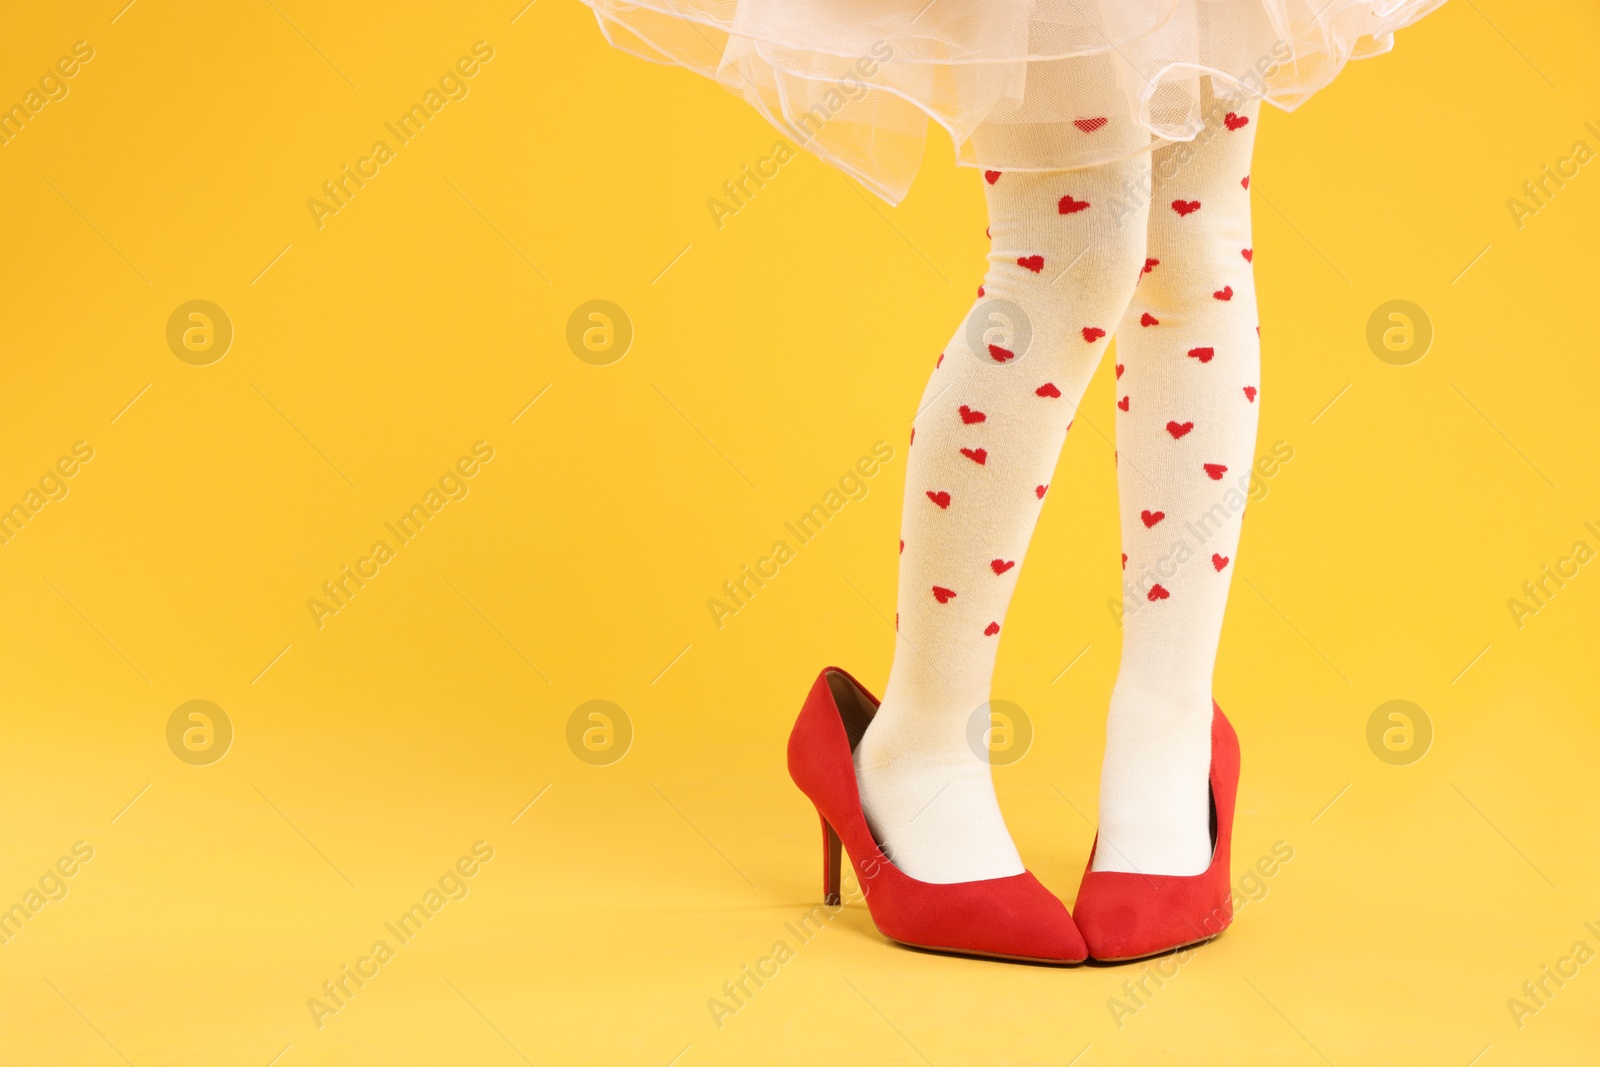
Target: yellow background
[[427, 314]]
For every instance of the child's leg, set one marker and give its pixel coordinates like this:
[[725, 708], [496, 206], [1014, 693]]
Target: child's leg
[[1187, 398], [987, 435]]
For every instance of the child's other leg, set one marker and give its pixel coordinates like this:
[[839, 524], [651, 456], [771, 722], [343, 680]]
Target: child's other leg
[[1187, 402]]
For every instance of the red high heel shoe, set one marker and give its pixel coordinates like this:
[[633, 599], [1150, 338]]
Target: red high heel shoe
[[1127, 916], [1012, 918]]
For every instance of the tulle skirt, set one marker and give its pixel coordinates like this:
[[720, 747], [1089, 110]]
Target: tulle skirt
[[1019, 84]]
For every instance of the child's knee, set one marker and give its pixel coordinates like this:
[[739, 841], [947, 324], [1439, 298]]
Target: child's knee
[[1106, 262]]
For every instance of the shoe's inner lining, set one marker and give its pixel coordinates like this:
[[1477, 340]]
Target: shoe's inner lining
[[1213, 796], [856, 709]]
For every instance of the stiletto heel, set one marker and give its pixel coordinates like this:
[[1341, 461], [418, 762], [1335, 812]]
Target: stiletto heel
[[831, 849], [1006, 918], [1127, 916]]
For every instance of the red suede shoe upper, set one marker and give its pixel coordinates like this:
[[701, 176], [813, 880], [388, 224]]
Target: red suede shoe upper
[[1011, 917], [1125, 916]]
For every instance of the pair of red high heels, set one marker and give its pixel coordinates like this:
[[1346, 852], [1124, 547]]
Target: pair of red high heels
[[1117, 916]]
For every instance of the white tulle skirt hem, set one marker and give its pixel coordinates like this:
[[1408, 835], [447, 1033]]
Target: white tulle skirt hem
[[1018, 84]]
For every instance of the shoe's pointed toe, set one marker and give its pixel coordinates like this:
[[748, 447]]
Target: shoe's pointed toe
[[1028, 921], [1129, 916], [1008, 918]]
